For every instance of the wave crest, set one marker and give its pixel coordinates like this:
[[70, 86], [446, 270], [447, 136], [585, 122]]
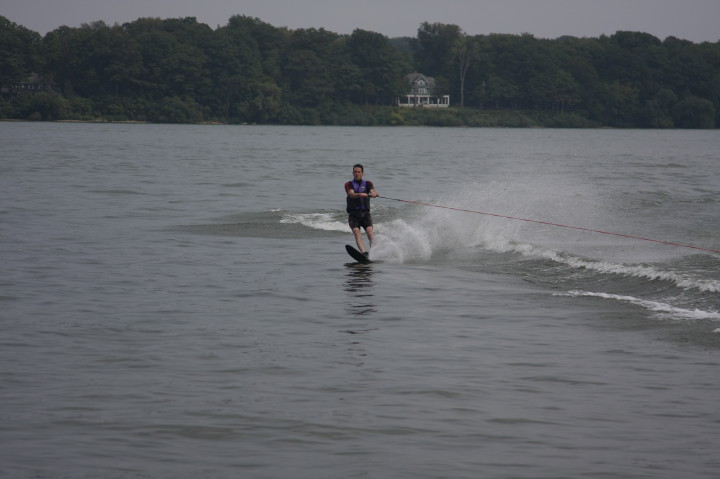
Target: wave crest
[[655, 306]]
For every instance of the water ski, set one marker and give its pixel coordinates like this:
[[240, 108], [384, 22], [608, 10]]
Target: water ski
[[357, 255]]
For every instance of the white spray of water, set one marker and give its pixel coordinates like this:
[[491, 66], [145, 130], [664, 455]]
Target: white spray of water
[[655, 306], [401, 241], [423, 231], [437, 230], [318, 221]]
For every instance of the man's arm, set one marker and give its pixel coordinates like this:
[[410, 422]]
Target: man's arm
[[373, 193], [351, 193]]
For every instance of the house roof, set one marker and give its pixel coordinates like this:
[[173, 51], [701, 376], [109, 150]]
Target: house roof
[[413, 77]]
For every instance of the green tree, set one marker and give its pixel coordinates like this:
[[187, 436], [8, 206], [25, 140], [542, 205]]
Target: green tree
[[658, 110], [46, 106], [516, 60], [308, 78], [621, 105], [176, 110], [308, 67], [465, 52], [379, 65], [19, 52], [556, 90], [235, 61], [434, 50], [694, 112], [180, 70], [501, 92]]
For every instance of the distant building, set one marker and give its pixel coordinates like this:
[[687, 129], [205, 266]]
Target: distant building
[[422, 93], [33, 84]]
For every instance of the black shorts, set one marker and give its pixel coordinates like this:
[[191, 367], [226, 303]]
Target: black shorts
[[364, 221]]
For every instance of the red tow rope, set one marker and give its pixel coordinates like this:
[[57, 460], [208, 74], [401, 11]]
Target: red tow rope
[[552, 224]]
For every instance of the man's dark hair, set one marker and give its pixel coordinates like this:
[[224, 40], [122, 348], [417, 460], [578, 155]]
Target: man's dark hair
[[359, 166]]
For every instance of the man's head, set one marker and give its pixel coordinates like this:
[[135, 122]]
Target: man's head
[[358, 171]]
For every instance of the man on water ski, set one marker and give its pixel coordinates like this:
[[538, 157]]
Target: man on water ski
[[359, 192]]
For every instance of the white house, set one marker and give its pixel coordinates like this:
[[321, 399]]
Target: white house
[[422, 93]]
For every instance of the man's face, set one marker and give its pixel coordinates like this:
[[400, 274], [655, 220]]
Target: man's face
[[357, 173]]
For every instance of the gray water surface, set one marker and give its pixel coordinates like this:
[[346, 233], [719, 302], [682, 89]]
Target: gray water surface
[[176, 302]]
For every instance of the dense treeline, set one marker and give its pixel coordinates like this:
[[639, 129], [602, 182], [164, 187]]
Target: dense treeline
[[179, 70]]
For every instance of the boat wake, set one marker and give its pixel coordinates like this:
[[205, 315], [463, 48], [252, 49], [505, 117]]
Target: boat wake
[[403, 236], [663, 309]]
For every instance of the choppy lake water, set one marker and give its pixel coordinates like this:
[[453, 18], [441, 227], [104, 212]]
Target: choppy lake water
[[176, 302]]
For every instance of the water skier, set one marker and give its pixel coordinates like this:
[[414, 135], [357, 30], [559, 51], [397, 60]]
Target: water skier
[[359, 192]]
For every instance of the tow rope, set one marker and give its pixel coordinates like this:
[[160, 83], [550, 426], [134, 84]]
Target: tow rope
[[552, 224]]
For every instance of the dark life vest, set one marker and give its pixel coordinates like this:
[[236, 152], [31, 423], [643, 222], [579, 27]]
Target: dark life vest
[[358, 206]]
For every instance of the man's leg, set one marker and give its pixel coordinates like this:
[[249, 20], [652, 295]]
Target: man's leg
[[358, 239], [370, 235]]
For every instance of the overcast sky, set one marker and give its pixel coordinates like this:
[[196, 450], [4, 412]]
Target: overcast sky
[[694, 20]]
